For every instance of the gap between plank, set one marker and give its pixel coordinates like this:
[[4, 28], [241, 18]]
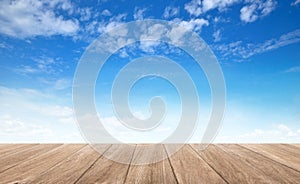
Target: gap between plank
[[271, 159], [62, 159], [129, 164], [172, 168], [91, 165], [208, 163], [30, 158]]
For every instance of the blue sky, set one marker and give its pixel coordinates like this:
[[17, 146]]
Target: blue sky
[[257, 44]]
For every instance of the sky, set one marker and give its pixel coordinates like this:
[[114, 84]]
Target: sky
[[256, 43]]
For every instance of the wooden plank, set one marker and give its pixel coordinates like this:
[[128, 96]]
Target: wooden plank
[[28, 170], [273, 171], [293, 150], [297, 145], [107, 171], [190, 168], [13, 159], [277, 153], [69, 170], [7, 149], [156, 172], [267, 163], [229, 167]]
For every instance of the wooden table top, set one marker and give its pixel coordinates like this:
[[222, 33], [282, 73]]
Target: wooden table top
[[219, 163]]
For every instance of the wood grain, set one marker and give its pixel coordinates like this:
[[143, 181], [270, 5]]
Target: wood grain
[[155, 172], [274, 173], [190, 168], [13, 159], [107, 171], [70, 169], [232, 169], [293, 150], [79, 163], [7, 149], [32, 168], [297, 145], [277, 153]]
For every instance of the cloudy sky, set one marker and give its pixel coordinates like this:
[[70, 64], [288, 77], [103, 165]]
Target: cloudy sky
[[256, 42]]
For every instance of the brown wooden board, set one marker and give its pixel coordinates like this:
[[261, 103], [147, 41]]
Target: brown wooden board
[[108, 171], [277, 153], [32, 168], [189, 167], [155, 172]]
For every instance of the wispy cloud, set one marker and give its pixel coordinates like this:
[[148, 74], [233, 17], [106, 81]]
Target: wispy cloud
[[246, 50], [139, 13], [292, 69], [106, 12], [31, 18], [171, 11], [94, 28], [217, 36], [296, 2], [41, 65], [4, 45], [10, 126], [256, 9], [251, 11], [27, 116], [85, 14], [280, 133], [115, 127], [198, 7], [192, 24]]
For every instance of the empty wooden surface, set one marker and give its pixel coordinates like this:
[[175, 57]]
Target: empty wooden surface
[[218, 163]]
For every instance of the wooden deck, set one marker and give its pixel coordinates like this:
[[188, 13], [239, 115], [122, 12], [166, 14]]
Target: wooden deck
[[219, 163]]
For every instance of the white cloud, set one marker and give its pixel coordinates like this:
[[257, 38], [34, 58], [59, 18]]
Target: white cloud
[[54, 110], [292, 69], [14, 130], [149, 46], [55, 84], [123, 53], [252, 10], [63, 83], [244, 51], [171, 12], [25, 69], [43, 64], [177, 33], [104, 26], [29, 18], [193, 24], [197, 7], [281, 133], [10, 126], [283, 128], [115, 127], [247, 13], [28, 115], [85, 14], [217, 36], [4, 45], [256, 9], [295, 3], [221, 19], [107, 26], [32, 100], [106, 12], [138, 13], [93, 28]]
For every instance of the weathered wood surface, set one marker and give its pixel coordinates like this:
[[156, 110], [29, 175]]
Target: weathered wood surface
[[218, 163]]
